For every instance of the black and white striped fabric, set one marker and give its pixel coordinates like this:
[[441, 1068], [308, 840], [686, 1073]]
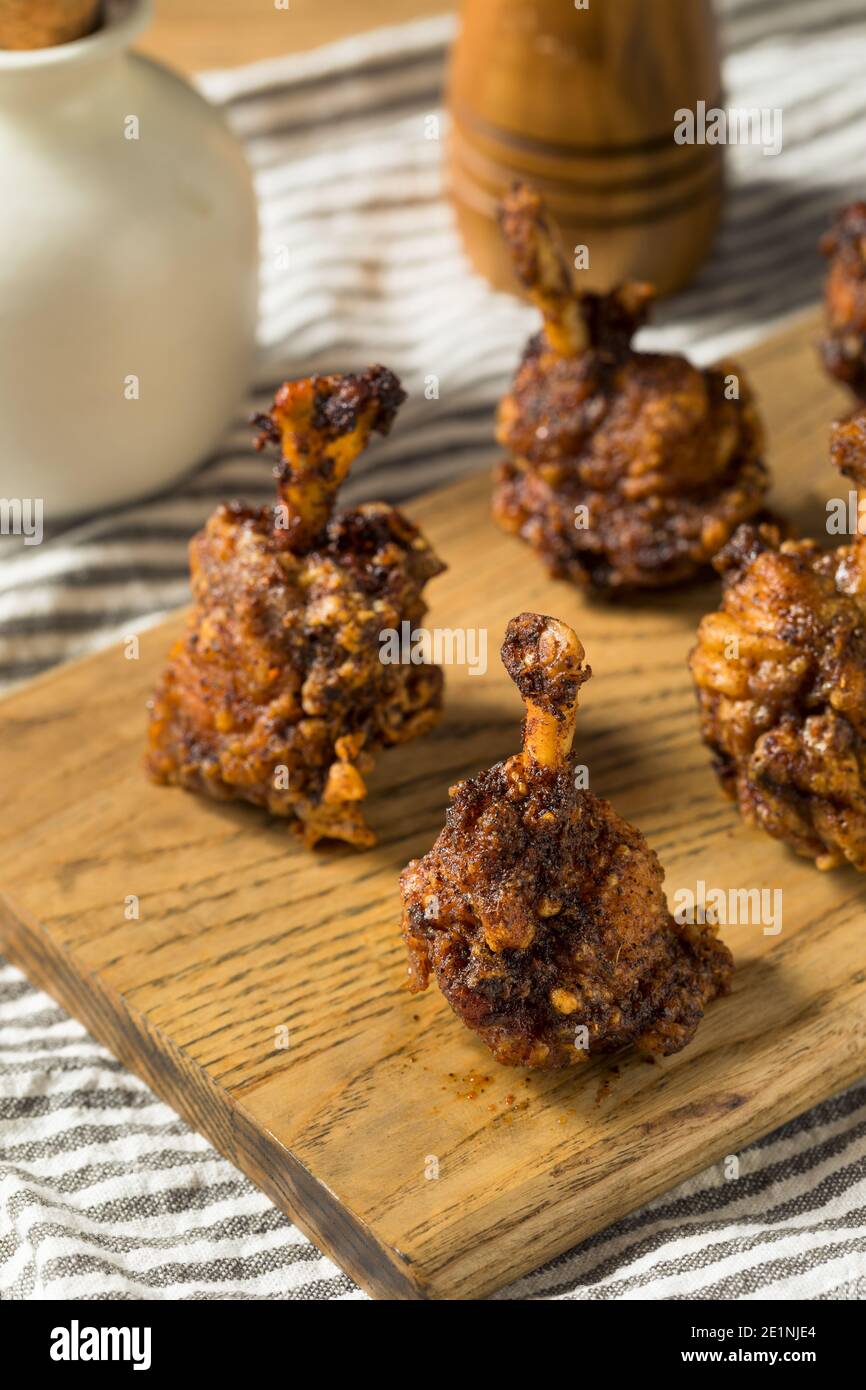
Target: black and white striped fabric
[[104, 1192]]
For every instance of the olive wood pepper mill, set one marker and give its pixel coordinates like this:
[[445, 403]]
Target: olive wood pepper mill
[[581, 102]]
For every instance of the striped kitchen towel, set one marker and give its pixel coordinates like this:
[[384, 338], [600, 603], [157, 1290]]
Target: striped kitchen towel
[[104, 1192]]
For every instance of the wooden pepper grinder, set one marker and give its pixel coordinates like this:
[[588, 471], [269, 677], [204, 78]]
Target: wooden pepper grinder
[[580, 102], [45, 23]]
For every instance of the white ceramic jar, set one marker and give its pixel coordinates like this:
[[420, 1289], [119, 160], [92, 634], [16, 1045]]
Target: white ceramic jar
[[128, 271]]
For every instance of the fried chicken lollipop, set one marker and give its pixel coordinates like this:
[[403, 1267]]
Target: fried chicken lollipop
[[780, 671], [276, 693], [541, 912], [843, 347], [626, 470]]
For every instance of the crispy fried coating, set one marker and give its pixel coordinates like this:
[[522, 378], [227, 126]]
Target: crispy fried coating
[[780, 672], [539, 910], [276, 693], [626, 470], [843, 347]]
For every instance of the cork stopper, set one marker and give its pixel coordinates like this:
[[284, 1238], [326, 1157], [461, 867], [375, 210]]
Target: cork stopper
[[46, 23]]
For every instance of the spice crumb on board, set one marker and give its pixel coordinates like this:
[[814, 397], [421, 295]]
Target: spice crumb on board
[[475, 1084], [475, 1081], [605, 1084]]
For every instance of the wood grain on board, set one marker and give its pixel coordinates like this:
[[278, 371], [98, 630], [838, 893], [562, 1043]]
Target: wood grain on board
[[242, 933]]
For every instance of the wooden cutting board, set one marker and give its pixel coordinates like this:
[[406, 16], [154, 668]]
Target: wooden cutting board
[[246, 942]]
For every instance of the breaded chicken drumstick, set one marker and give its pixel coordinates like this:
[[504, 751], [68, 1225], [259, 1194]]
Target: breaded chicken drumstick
[[625, 470], [276, 693], [539, 910]]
